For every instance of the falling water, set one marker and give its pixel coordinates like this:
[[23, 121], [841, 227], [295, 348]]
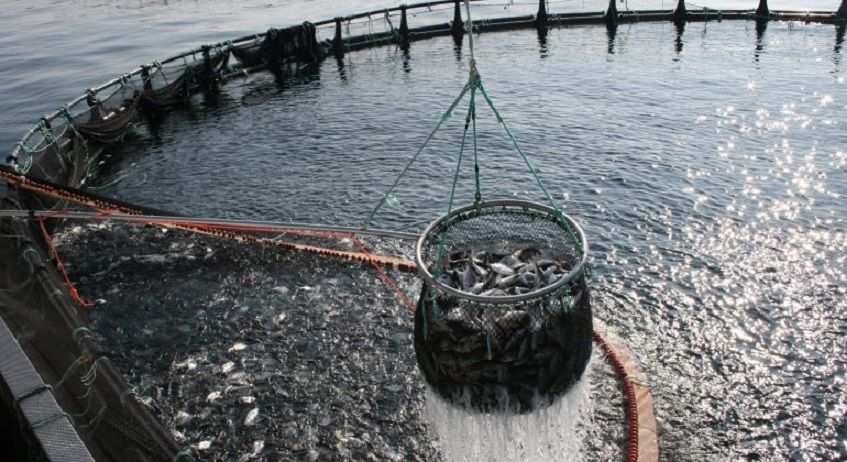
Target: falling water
[[556, 432]]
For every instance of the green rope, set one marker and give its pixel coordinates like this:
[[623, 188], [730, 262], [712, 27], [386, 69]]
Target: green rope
[[71, 370], [514, 140], [72, 125], [455, 182], [56, 293], [423, 318], [443, 236], [181, 454], [444, 118], [129, 391], [23, 149], [489, 356], [87, 334], [48, 419], [88, 394], [29, 250], [45, 132], [478, 194], [32, 392]]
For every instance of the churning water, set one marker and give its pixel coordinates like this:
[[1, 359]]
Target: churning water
[[707, 168], [556, 432]]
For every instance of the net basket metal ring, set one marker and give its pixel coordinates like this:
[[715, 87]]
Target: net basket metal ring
[[506, 223]]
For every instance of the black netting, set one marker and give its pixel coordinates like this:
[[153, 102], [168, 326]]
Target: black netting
[[109, 420], [504, 317]]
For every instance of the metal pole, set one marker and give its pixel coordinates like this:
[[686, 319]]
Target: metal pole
[[541, 20], [338, 42], [680, 15], [611, 17], [242, 225], [457, 28], [763, 10], [404, 25]]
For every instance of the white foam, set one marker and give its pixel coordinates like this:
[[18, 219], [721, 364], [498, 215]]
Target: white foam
[[553, 433]]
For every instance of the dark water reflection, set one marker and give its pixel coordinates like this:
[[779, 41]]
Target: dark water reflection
[[710, 184]]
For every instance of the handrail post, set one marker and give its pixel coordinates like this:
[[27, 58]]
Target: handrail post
[[404, 25], [208, 80], [680, 14], [337, 41], [542, 20], [763, 11], [145, 78], [458, 28], [611, 17]]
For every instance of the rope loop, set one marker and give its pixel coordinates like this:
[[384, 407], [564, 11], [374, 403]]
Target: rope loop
[[182, 454], [87, 334], [32, 392], [48, 419], [46, 132]]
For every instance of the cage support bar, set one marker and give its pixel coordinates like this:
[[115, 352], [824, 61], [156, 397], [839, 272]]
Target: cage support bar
[[258, 225]]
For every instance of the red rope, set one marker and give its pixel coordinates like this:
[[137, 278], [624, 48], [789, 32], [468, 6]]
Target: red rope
[[384, 275], [629, 390], [61, 266], [108, 207]]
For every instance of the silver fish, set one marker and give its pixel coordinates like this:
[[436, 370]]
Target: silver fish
[[479, 270], [251, 417], [478, 287], [506, 281], [468, 279], [500, 268]]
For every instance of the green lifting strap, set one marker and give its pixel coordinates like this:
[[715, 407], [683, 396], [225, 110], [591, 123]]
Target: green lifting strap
[[473, 84]]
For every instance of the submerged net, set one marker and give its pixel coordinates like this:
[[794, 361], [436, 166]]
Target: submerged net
[[504, 317]]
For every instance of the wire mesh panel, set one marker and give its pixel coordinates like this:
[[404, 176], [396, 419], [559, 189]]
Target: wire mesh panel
[[503, 322]]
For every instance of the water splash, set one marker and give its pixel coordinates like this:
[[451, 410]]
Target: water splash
[[553, 433]]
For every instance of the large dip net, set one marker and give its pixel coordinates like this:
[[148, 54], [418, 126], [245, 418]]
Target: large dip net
[[503, 323], [504, 317]]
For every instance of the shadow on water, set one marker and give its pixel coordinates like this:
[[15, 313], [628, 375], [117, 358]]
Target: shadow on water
[[543, 48], [308, 76], [611, 33], [839, 41], [678, 42], [761, 28], [407, 57], [342, 70], [457, 46]]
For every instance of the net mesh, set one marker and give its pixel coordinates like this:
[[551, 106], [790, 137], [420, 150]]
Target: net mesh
[[525, 337]]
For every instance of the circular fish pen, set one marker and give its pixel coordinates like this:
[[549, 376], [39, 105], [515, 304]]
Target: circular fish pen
[[92, 398]]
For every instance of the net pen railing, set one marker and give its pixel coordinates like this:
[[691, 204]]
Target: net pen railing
[[103, 113]]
